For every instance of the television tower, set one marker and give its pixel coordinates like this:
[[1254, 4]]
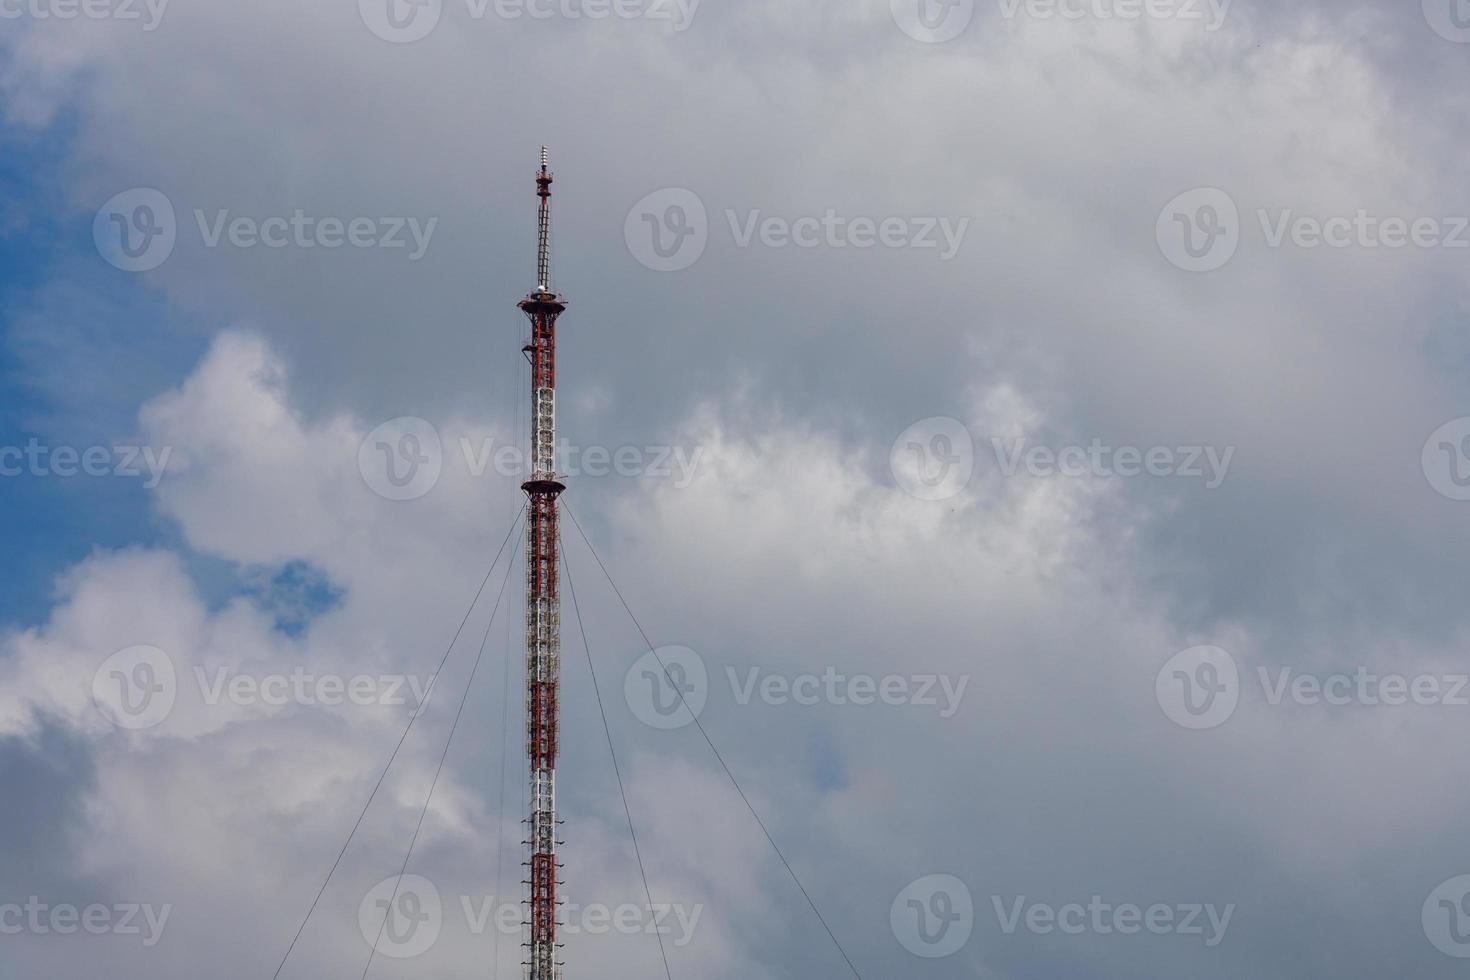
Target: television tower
[[543, 604]]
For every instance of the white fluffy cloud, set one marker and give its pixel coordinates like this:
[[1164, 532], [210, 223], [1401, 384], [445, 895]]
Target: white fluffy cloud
[[788, 554], [791, 551]]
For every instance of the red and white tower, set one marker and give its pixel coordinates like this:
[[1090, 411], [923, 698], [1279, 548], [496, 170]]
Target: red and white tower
[[543, 602]]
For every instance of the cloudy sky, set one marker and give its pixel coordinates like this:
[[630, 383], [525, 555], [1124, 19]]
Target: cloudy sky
[[1038, 433]]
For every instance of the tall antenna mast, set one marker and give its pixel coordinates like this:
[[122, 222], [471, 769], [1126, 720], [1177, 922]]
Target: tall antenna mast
[[543, 214], [543, 602]]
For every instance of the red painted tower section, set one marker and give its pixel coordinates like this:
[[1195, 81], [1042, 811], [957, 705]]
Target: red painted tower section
[[543, 602]]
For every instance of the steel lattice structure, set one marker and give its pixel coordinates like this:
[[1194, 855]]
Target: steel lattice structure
[[543, 602]]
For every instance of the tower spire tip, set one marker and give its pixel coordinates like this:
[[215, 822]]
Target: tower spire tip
[[543, 250]]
